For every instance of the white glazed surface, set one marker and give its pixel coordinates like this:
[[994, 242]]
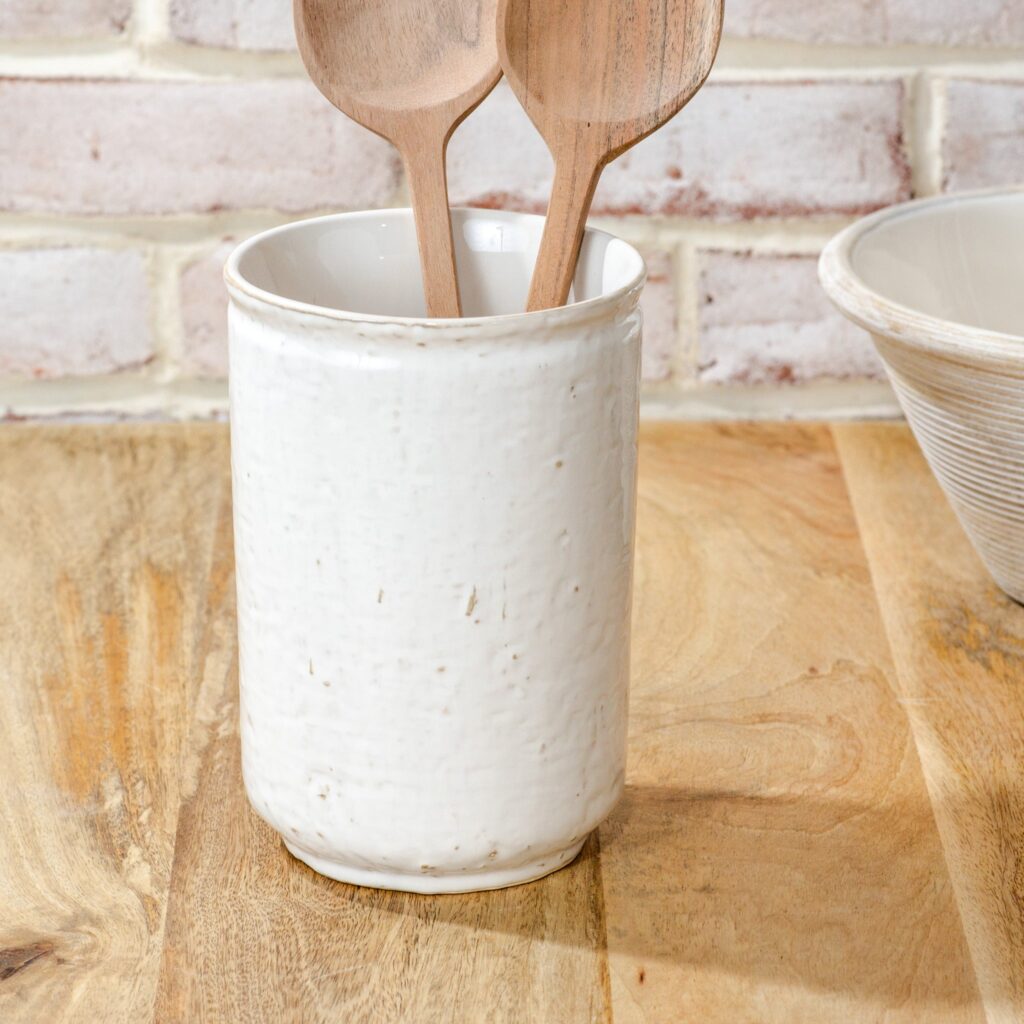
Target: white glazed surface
[[434, 534], [938, 283]]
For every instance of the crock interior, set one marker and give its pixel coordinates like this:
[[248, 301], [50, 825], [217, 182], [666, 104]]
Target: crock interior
[[368, 263], [960, 260]]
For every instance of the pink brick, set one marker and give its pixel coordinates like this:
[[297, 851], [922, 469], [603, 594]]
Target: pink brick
[[204, 311], [661, 320], [73, 312], [984, 138], [765, 320], [927, 22], [31, 19], [123, 147], [739, 150], [235, 24]]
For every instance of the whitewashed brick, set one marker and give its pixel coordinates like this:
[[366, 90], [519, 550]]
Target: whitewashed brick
[[65, 19], [122, 147], [204, 312], [739, 150], [858, 22], [497, 159], [235, 24], [765, 320], [661, 319], [984, 137], [73, 312]]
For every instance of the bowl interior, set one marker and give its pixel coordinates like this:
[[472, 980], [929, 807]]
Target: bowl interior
[[960, 260], [368, 263]]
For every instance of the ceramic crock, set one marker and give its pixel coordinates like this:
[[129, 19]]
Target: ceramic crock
[[938, 283], [434, 540]]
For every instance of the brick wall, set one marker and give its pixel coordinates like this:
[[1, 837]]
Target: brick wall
[[138, 140]]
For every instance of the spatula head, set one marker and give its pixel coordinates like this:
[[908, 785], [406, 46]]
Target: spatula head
[[610, 71], [378, 60]]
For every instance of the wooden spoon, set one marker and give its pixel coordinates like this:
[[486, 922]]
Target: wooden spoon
[[409, 70], [597, 76]]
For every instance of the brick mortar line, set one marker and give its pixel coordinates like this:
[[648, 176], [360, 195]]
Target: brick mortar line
[[18, 231], [821, 400], [150, 21], [1008, 70], [123, 67], [135, 395], [144, 62], [166, 265], [932, 144], [151, 57], [739, 53], [916, 122], [127, 394], [785, 236]]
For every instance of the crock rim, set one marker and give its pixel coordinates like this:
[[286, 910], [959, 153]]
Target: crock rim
[[241, 288]]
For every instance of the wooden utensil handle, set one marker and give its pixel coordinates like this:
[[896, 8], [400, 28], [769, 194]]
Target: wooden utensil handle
[[428, 184], [576, 177]]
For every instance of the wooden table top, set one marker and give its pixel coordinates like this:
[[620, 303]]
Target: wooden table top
[[824, 817]]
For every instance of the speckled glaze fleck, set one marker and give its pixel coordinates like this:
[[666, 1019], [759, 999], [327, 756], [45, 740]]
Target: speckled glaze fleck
[[434, 537], [938, 284]]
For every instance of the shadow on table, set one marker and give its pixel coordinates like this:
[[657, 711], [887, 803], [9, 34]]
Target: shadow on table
[[792, 891]]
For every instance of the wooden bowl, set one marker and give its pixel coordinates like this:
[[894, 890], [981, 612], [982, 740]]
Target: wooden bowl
[[939, 283]]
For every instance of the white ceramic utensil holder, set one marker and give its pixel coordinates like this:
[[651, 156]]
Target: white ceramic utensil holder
[[938, 283], [434, 540]]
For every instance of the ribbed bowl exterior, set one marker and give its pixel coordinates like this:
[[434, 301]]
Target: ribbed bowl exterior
[[969, 422], [961, 387]]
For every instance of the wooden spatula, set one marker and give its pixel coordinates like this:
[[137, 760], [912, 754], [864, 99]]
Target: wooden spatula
[[409, 70], [597, 76]]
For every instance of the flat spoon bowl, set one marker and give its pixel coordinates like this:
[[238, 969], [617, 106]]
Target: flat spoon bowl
[[409, 70], [595, 77]]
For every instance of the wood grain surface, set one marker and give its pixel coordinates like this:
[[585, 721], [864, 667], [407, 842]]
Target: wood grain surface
[[958, 642], [114, 565], [823, 819]]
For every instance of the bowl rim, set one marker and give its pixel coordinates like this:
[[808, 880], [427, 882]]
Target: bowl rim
[[241, 288], [895, 321]]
